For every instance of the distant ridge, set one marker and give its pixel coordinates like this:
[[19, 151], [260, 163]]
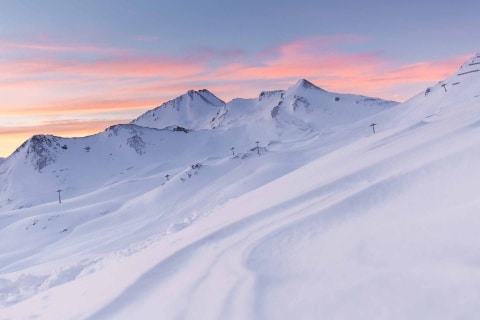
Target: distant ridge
[[200, 110]]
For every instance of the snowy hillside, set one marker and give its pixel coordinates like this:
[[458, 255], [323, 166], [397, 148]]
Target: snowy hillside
[[459, 90], [325, 220], [78, 166], [45, 164]]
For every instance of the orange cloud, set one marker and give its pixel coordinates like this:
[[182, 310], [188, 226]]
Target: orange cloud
[[81, 106], [130, 67], [70, 128]]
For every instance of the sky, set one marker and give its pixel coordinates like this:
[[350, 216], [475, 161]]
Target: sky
[[73, 68]]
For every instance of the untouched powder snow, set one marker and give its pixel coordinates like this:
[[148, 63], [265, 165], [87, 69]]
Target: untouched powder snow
[[320, 222]]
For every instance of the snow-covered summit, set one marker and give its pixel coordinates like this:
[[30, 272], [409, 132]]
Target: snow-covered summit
[[304, 84], [40, 150], [192, 110]]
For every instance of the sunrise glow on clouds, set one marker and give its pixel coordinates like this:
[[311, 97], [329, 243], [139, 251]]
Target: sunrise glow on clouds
[[80, 89]]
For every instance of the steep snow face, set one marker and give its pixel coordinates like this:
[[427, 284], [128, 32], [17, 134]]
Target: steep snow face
[[193, 110]]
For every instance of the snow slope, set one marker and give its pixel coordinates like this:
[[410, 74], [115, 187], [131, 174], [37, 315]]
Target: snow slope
[[327, 223], [45, 164]]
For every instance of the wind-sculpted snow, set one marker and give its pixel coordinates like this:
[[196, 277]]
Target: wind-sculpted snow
[[311, 222]]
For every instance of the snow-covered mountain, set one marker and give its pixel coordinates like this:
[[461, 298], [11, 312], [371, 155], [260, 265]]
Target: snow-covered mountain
[[193, 110], [304, 105], [324, 220], [171, 136]]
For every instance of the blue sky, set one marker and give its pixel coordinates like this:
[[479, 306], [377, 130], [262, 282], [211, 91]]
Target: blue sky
[[73, 67], [404, 29]]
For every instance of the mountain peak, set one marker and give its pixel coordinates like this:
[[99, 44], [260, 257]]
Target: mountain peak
[[210, 98], [205, 91], [203, 94], [41, 150], [193, 110], [305, 84]]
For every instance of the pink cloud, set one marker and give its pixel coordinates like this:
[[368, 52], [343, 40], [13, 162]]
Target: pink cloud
[[106, 68], [388, 80], [324, 60], [47, 46], [80, 106], [98, 79], [321, 61]]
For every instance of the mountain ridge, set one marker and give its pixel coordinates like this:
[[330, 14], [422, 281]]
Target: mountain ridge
[[209, 118], [193, 120]]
